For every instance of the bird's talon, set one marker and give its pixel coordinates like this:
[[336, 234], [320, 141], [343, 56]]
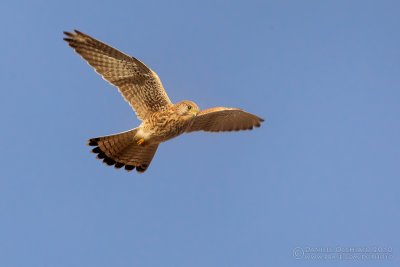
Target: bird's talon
[[140, 142]]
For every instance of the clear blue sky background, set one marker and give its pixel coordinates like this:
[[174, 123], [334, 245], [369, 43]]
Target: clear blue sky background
[[322, 171]]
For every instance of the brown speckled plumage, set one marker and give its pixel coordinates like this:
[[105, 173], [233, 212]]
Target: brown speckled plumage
[[161, 119]]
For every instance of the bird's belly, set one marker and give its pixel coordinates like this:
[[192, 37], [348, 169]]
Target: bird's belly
[[158, 133]]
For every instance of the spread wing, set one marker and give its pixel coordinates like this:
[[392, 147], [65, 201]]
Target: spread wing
[[220, 119], [138, 84]]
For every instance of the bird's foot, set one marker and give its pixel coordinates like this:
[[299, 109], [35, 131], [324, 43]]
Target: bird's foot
[[140, 142]]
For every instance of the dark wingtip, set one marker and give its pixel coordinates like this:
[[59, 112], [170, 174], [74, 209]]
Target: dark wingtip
[[258, 124], [68, 34], [78, 32], [101, 155]]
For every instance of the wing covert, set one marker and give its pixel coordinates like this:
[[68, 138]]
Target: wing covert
[[138, 84], [221, 119]]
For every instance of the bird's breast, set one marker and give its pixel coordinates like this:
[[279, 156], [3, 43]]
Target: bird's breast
[[162, 127]]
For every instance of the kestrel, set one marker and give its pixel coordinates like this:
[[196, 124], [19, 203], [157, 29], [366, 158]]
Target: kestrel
[[161, 120]]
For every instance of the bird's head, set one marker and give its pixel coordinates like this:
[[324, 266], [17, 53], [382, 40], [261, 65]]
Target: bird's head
[[187, 109]]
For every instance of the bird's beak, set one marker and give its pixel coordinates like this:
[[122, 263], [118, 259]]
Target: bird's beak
[[194, 112]]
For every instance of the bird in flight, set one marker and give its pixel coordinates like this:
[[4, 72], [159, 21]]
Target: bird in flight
[[161, 120]]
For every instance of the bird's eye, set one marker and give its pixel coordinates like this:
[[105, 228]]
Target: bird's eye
[[189, 107]]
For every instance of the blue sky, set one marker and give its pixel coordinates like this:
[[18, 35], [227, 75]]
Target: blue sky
[[322, 171]]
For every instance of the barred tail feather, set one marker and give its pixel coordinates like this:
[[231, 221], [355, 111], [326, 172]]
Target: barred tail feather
[[121, 150]]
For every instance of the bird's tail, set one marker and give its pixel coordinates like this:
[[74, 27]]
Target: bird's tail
[[122, 150]]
